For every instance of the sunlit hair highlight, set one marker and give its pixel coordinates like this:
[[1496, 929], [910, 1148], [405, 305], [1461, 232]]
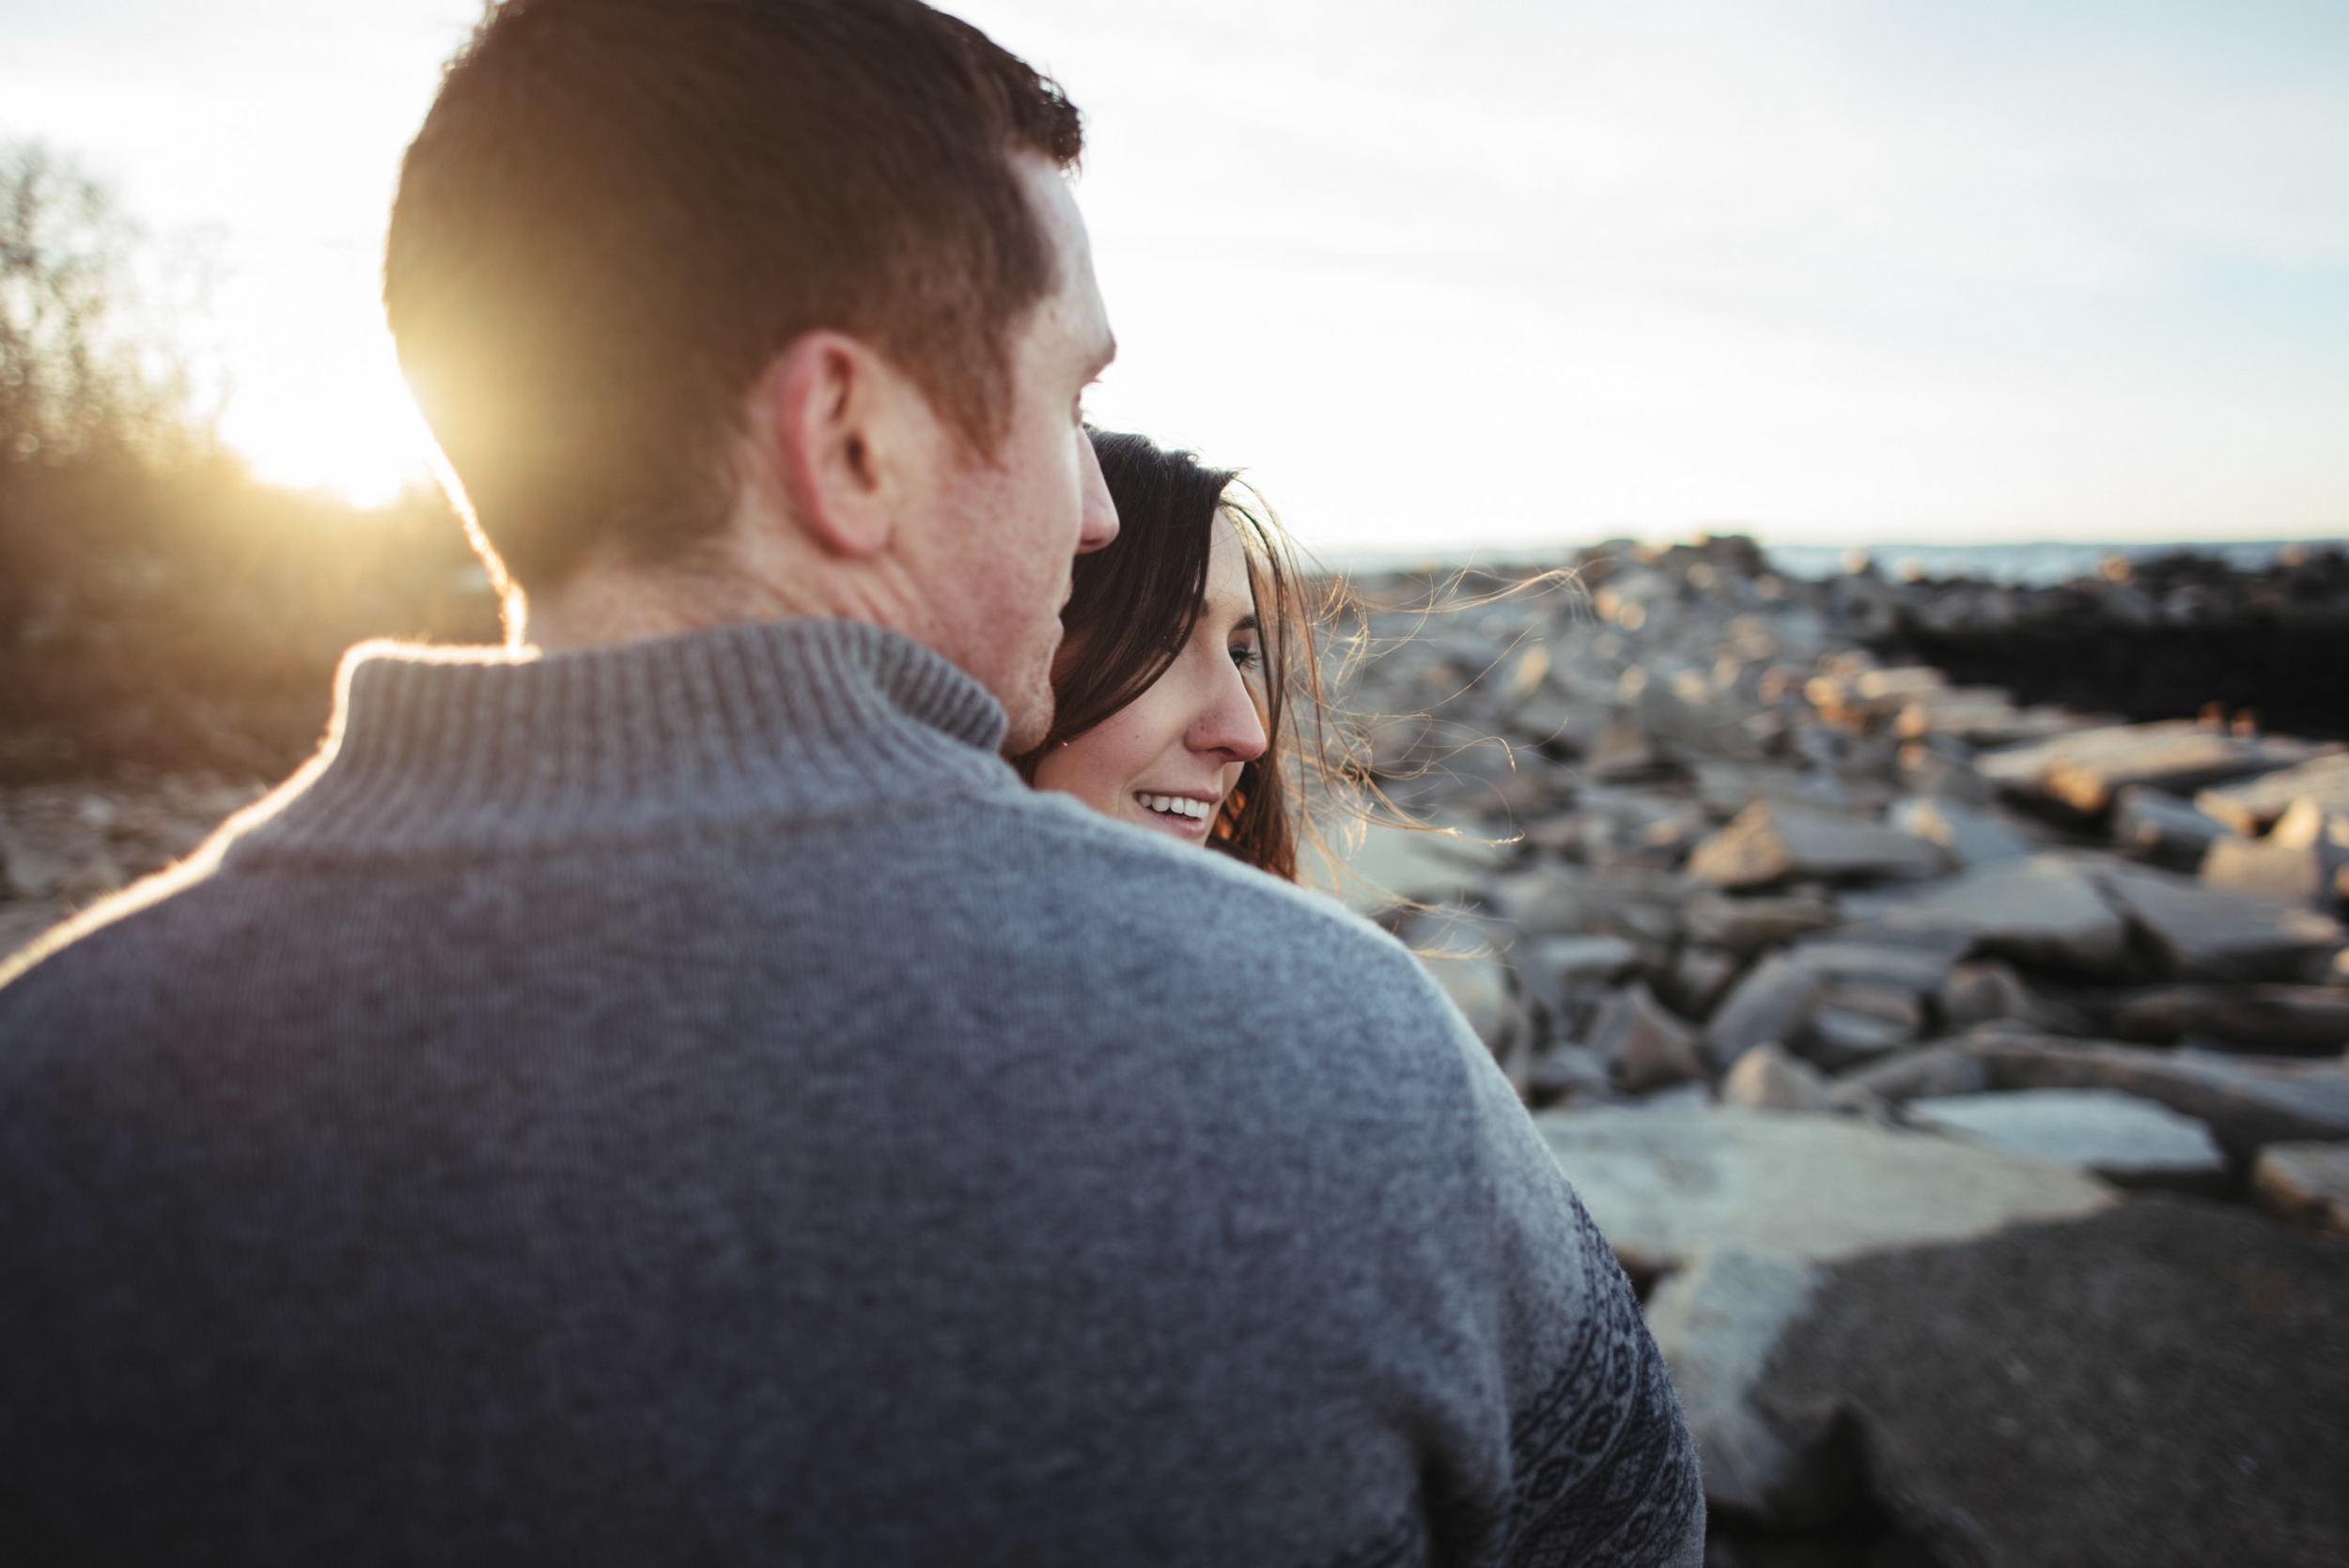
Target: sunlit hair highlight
[[618, 212]]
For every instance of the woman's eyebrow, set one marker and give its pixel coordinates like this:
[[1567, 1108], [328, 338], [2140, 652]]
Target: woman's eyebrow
[[1246, 623]]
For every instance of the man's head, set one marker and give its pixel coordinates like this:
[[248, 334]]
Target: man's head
[[758, 287]]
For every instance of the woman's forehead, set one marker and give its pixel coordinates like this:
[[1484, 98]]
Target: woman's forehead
[[1228, 580]]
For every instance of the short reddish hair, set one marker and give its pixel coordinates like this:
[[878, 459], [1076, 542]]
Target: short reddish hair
[[619, 211]]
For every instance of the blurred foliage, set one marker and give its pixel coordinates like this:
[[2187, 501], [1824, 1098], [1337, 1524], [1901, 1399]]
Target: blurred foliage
[[158, 606]]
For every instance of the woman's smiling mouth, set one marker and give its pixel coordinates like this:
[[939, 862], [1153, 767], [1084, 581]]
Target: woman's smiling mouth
[[1181, 808]]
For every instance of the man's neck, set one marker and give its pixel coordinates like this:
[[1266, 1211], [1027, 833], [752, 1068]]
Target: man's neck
[[607, 603]]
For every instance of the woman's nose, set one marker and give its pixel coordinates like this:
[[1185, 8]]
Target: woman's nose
[[1232, 722]]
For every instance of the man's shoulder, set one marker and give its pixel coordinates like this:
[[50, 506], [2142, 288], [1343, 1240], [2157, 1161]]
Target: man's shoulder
[[1077, 847], [1251, 990], [1199, 906], [107, 931]]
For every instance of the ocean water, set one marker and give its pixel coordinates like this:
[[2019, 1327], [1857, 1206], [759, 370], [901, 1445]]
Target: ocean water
[[2029, 565], [2025, 565]]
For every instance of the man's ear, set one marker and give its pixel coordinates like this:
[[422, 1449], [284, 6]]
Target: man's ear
[[831, 413]]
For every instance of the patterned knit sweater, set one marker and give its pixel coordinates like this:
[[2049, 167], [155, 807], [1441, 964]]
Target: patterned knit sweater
[[688, 1103]]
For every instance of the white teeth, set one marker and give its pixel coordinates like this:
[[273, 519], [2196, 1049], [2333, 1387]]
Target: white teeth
[[1175, 805]]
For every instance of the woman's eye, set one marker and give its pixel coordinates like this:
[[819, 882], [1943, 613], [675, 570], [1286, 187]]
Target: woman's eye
[[1244, 656]]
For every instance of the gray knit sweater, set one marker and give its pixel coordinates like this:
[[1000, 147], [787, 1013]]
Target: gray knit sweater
[[689, 1103]]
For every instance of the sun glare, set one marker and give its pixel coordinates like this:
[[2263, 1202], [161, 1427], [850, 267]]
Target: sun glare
[[329, 411], [1427, 299]]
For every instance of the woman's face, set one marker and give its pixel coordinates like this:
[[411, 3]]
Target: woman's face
[[1169, 759]]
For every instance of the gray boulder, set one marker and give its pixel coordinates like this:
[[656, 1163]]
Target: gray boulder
[[1774, 842], [1925, 768], [2162, 828], [1567, 1070], [1738, 1209], [2293, 871], [2205, 933], [1726, 788], [1990, 991], [2305, 1182], [1548, 899], [1579, 961], [1685, 730], [1665, 1186], [2043, 910], [1857, 1021], [1623, 751], [1985, 716], [2251, 807], [1562, 972], [1716, 1322], [1748, 925], [1970, 836], [2272, 1019], [1646, 1047], [1772, 1003], [1767, 1078], [2126, 1138], [1948, 1067], [1919, 960], [2163, 1384], [2246, 1102], [1700, 977], [2085, 771]]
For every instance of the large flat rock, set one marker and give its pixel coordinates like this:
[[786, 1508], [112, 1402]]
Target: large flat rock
[[1971, 837], [2087, 769], [1772, 841], [2246, 1102], [1717, 1323], [2162, 1382], [2313, 1018], [1664, 1186], [2302, 872], [1748, 925], [2156, 827], [1726, 788], [2205, 933], [2124, 1137], [2251, 807], [1875, 954], [2043, 910], [2305, 1182]]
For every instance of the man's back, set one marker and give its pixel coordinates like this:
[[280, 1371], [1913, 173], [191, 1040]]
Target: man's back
[[687, 1102]]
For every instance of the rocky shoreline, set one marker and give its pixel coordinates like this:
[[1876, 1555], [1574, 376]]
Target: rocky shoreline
[[1962, 1078], [1847, 993], [2159, 638]]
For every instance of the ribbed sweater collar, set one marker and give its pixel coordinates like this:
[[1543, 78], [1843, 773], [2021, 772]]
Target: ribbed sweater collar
[[481, 749]]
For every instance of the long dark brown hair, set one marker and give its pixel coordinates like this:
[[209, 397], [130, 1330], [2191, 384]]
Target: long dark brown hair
[[1134, 605]]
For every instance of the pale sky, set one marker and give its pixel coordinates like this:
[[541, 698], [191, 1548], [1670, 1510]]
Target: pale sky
[[1486, 271]]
